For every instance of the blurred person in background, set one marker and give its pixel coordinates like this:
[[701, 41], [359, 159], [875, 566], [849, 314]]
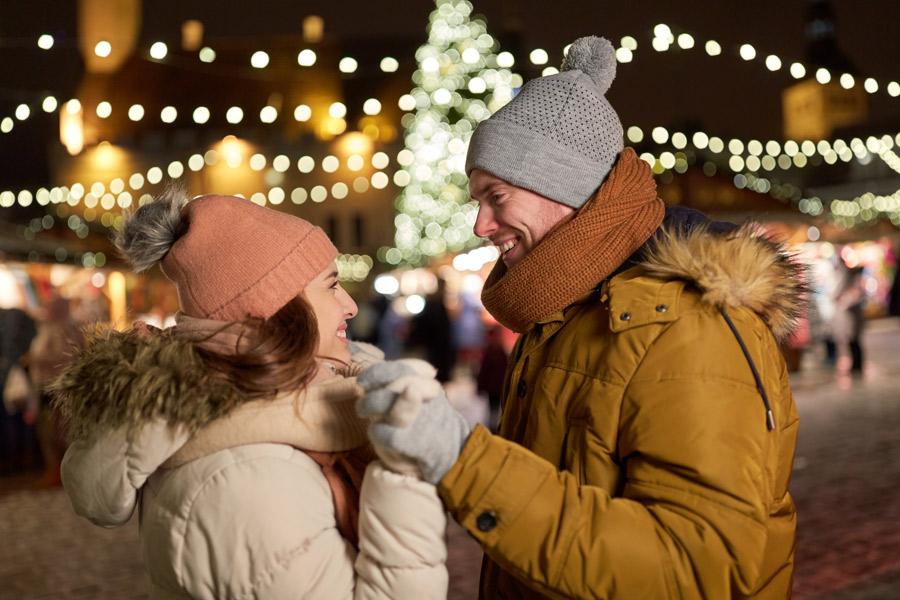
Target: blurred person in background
[[894, 293], [17, 330], [468, 331], [234, 432], [58, 337], [431, 333], [491, 373], [648, 428], [849, 315], [392, 328]]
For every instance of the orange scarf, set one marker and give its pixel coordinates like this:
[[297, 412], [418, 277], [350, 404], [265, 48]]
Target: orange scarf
[[573, 258], [344, 472]]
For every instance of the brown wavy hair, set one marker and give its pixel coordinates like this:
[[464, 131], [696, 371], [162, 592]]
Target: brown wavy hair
[[283, 355]]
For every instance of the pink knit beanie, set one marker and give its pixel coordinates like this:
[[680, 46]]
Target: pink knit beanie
[[229, 258]]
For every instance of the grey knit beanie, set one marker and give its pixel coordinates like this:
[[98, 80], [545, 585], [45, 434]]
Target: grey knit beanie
[[558, 137]]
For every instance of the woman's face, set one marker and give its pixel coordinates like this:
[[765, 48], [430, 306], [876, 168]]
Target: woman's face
[[333, 307]]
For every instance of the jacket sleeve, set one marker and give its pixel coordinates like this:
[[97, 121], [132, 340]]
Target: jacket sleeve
[[688, 523], [402, 547], [266, 530]]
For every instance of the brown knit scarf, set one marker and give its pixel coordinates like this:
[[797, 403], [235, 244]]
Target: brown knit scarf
[[573, 258]]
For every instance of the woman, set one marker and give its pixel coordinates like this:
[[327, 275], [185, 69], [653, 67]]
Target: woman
[[235, 431]]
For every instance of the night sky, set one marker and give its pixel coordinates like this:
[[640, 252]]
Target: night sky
[[685, 89]]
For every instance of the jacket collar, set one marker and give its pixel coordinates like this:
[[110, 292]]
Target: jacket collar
[[322, 419]]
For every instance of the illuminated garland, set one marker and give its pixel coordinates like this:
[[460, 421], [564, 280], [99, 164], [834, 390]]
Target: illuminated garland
[[120, 191], [663, 39]]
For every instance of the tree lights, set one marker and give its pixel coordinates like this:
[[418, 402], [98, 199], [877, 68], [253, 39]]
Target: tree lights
[[459, 83]]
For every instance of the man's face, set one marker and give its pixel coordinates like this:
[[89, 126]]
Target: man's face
[[512, 218]]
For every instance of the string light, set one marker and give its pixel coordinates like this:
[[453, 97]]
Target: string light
[[538, 56], [159, 50], [103, 49], [259, 60], [663, 34], [389, 64], [168, 114], [76, 193], [306, 58], [830, 152], [663, 38], [136, 112]]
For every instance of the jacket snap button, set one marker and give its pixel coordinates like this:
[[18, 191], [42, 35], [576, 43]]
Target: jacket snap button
[[625, 316], [661, 308], [486, 521], [522, 388]]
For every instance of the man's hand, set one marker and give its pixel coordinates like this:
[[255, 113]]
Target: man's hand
[[414, 427]]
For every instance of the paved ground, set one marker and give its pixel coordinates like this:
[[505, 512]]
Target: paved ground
[[847, 477], [846, 484]]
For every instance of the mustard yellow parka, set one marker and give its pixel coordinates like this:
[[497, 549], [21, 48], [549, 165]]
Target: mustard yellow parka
[[636, 458]]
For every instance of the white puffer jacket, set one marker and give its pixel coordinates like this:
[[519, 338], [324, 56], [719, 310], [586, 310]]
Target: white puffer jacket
[[236, 510]]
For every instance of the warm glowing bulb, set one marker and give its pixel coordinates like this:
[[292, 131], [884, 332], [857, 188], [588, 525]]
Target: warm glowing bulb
[[337, 110], [168, 114], [538, 56], [389, 64], [103, 49], [371, 106], [259, 60], [104, 109], [159, 50], [306, 58]]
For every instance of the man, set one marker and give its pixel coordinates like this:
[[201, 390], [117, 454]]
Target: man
[[648, 429]]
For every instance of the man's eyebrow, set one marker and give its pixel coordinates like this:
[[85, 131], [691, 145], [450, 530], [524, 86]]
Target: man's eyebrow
[[332, 275], [487, 188]]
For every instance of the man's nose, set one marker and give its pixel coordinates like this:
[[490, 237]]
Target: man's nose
[[484, 222]]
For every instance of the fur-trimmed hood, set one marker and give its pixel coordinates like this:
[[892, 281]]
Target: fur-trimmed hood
[[142, 400], [144, 375], [133, 377], [731, 269]]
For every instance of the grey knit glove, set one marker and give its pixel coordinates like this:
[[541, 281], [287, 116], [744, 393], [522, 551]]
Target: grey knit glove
[[413, 423]]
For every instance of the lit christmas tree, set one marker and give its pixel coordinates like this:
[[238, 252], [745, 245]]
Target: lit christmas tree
[[461, 80]]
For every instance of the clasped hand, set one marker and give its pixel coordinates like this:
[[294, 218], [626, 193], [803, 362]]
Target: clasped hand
[[413, 428]]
